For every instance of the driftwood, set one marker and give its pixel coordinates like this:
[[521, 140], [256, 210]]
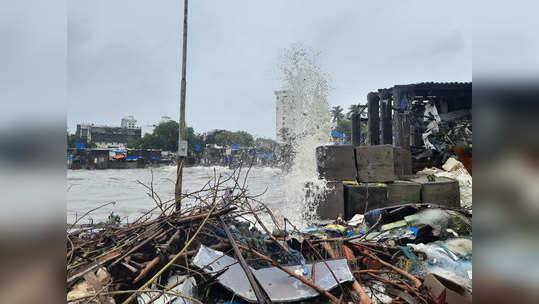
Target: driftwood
[[136, 255]]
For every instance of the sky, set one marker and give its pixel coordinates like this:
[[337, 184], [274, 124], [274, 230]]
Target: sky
[[123, 57]]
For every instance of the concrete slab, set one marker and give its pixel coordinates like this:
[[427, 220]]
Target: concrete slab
[[441, 191], [331, 203], [404, 192], [363, 197], [382, 163], [336, 162]]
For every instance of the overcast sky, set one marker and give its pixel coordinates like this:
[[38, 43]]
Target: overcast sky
[[123, 56]]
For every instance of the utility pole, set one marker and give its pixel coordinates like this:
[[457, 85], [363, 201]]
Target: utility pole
[[182, 144]]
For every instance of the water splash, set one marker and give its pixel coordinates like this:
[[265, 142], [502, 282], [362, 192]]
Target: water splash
[[307, 87]]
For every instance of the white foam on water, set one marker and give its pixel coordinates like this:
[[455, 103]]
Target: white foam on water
[[307, 87]]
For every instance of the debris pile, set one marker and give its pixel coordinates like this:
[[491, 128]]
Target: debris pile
[[443, 135], [216, 249]]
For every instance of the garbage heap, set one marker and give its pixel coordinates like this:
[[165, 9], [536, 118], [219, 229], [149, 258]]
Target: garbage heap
[[216, 249]]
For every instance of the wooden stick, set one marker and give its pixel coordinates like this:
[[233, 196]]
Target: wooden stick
[[417, 282], [363, 297], [147, 269], [151, 237], [145, 285], [260, 294]]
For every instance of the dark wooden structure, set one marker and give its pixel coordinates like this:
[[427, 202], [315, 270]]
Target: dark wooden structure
[[391, 109]]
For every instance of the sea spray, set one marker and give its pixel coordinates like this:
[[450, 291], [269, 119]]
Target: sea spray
[[307, 89]]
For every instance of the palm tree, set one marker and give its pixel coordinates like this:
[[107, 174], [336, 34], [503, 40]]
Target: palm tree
[[337, 113], [353, 109]]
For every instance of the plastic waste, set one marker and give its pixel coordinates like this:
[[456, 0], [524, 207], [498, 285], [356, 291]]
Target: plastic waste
[[356, 220], [187, 288], [441, 260]]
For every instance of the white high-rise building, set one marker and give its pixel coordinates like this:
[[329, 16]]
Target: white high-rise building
[[285, 123], [129, 122]]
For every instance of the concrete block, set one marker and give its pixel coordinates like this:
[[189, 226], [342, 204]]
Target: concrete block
[[382, 163], [363, 197], [404, 192], [442, 191], [336, 162], [330, 204]]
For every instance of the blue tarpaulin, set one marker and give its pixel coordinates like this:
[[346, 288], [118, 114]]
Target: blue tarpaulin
[[79, 145], [265, 155], [197, 147], [336, 134]]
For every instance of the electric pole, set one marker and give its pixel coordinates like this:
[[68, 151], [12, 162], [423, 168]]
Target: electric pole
[[182, 144]]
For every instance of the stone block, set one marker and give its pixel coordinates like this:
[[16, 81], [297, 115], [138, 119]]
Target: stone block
[[336, 162], [329, 204], [441, 191], [382, 163], [359, 198], [404, 192]]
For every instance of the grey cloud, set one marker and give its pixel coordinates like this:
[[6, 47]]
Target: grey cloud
[[124, 55]]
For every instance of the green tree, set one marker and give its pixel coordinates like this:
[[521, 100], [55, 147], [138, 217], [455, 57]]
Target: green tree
[[228, 138], [167, 135], [164, 137], [267, 142], [194, 139], [353, 109], [337, 113]]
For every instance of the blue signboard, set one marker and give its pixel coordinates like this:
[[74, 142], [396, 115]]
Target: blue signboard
[[197, 147], [234, 147], [155, 157], [132, 158], [79, 145], [336, 134]]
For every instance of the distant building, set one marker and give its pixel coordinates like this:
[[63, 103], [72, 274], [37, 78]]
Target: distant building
[[129, 122], [284, 110], [107, 136]]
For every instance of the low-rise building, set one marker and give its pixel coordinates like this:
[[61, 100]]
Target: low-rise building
[[109, 136]]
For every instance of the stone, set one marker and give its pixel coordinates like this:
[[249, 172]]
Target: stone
[[382, 163], [404, 192], [359, 198], [442, 191], [336, 162]]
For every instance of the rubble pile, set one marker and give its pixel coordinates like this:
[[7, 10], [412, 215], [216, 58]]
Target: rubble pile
[[441, 133], [218, 250]]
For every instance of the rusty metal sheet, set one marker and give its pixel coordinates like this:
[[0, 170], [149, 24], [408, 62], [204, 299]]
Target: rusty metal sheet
[[278, 285]]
